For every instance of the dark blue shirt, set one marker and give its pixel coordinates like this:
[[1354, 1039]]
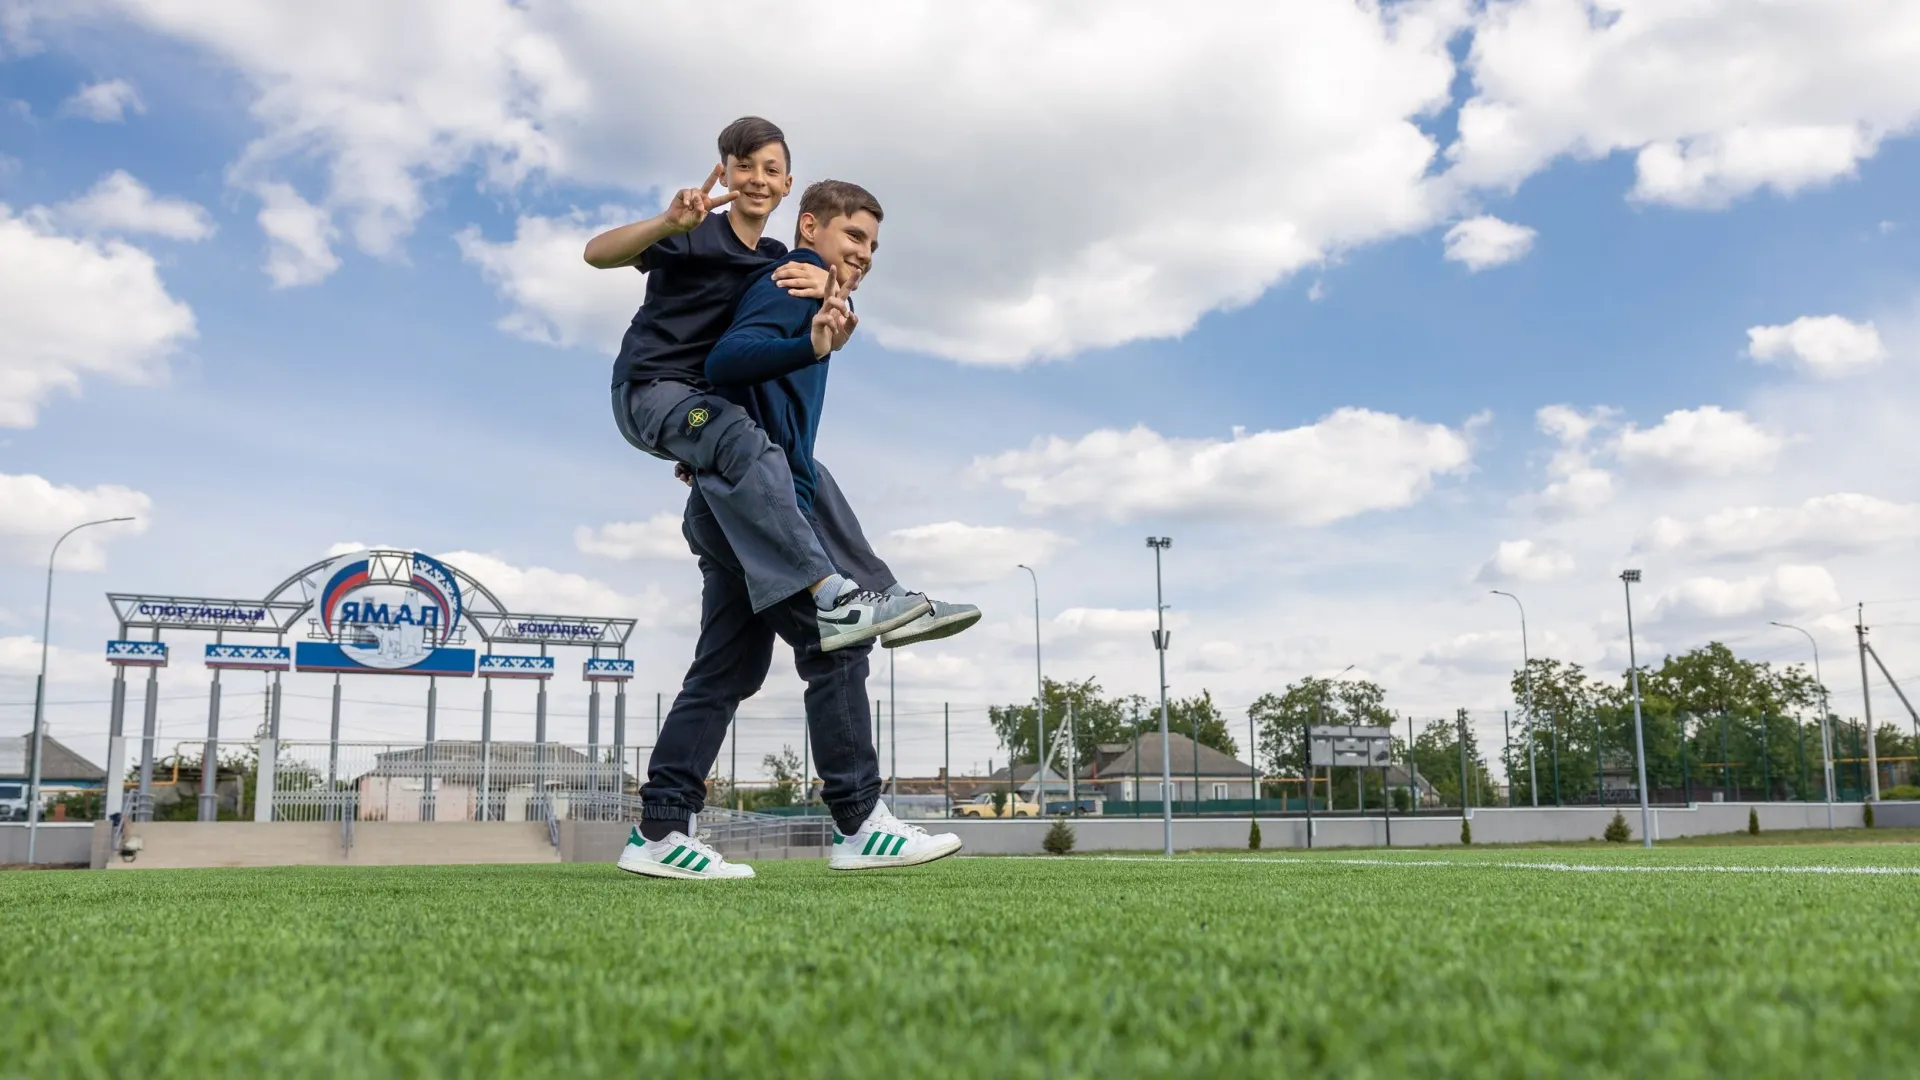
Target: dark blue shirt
[[693, 280], [765, 364]]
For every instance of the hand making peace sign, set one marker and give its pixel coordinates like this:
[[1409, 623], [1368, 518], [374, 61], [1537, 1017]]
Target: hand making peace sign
[[833, 324], [690, 206]]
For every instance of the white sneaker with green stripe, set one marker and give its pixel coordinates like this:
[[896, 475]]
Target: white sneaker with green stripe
[[678, 856], [885, 840]]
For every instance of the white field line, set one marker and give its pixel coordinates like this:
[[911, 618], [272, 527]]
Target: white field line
[[1557, 867]]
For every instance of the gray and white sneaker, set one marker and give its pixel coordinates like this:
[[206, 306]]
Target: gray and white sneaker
[[862, 615], [942, 620]]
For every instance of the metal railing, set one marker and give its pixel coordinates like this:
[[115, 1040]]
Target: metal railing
[[447, 781]]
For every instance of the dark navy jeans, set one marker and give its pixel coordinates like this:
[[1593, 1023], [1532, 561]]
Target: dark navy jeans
[[730, 661]]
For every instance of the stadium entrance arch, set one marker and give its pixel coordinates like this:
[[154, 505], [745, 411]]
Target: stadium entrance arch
[[378, 612]]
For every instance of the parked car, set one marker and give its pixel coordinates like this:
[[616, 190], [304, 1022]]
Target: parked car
[[1061, 807], [981, 806], [13, 802]]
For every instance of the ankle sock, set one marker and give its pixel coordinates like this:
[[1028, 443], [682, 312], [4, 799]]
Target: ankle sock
[[657, 829], [850, 824], [831, 590]]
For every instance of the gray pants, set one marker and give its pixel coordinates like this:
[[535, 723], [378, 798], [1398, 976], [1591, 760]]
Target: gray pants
[[748, 488]]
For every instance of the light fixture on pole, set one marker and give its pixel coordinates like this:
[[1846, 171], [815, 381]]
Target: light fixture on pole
[[1526, 678], [1628, 578], [1826, 749], [1160, 639], [1039, 708], [40, 693]]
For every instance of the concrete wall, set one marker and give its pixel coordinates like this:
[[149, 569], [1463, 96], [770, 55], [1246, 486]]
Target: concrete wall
[[1521, 825], [59, 842], [283, 843], [176, 844]]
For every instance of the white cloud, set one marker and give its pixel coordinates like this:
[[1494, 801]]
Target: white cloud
[[1828, 346], [20, 659], [511, 90], [106, 102], [1707, 441], [557, 298], [1524, 560], [1828, 525], [1789, 590], [1716, 98], [1481, 653], [542, 591], [1486, 241], [121, 204], [1350, 462], [949, 554], [34, 512], [300, 237], [658, 537], [72, 307], [1576, 486]]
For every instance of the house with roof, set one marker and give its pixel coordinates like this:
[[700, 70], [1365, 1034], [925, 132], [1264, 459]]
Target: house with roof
[[62, 771], [1131, 771]]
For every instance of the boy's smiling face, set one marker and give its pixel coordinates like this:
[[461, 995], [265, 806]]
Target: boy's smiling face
[[846, 242], [761, 180]]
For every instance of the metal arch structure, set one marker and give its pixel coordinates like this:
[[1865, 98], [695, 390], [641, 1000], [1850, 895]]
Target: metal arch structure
[[280, 613]]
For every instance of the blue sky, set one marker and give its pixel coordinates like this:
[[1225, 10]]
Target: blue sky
[[1254, 252]]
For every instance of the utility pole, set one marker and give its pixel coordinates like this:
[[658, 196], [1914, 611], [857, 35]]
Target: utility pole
[[1627, 578], [1160, 640], [1866, 706]]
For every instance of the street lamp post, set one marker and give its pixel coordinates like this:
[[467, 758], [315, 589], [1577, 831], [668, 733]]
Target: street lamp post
[[1039, 708], [1526, 677], [1160, 639], [1627, 578], [1826, 750], [40, 693]]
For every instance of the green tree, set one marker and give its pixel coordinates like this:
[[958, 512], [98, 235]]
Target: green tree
[[784, 768], [1199, 719], [1436, 754], [1282, 719], [1096, 719]]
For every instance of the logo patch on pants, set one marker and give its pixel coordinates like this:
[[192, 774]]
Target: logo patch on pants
[[698, 417]]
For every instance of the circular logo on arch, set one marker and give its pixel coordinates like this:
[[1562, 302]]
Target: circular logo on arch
[[388, 611]]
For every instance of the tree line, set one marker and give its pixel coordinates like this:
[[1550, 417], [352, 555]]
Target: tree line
[[1712, 721]]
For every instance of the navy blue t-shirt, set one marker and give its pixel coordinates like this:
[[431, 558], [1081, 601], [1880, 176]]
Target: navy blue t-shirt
[[693, 280]]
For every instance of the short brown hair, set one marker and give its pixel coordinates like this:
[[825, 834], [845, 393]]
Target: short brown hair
[[829, 199], [745, 136]]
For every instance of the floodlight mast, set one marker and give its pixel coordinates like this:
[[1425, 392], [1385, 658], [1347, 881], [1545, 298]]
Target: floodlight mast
[[1160, 641], [1628, 579]]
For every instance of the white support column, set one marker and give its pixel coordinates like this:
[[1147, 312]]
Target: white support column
[[263, 790], [117, 739]]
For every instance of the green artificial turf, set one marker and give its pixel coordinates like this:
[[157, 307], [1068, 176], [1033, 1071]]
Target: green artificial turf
[[1340, 964]]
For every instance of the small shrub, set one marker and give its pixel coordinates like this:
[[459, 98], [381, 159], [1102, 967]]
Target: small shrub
[[1466, 831], [1866, 816], [1402, 802], [1059, 839], [1753, 821], [1903, 791], [1618, 831], [1253, 837], [999, 803]]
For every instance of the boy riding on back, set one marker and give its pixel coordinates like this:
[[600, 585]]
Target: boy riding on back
[[773, 363], [697, 262]]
